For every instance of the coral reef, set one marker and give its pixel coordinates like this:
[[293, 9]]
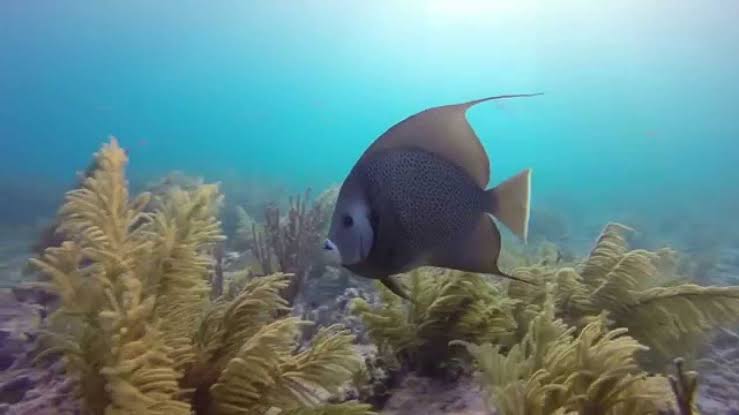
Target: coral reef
[[233, 376], [37, 391], [136, 326], [290, 243], [428, 396], [378, 375], [19, 323], [142, 308], [555, 371], [445, 306], [26, 389], [246, 230], [336, 310], [640, 291], [685, 388], [719, 369], [577, 312], [286, 242]]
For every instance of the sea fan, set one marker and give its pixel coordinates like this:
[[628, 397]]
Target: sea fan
[[265, 373], [136, 325], [638, 290], [184, 230], [347, 408], [113, 346], [554, 371], [444, 305]]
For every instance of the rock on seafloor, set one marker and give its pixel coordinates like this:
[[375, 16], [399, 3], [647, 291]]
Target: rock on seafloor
[[26, 389], [718, 368], [327, 300], [718, 373], [425, 396], [19, 321], [31, 391]]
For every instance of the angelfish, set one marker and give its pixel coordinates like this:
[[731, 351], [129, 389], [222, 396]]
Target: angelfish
[[417, 197]]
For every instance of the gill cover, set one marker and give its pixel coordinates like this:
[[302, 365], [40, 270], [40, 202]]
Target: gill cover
[[351, 232]]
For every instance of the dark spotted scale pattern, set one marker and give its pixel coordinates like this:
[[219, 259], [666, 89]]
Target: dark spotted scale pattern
[[423, 200]]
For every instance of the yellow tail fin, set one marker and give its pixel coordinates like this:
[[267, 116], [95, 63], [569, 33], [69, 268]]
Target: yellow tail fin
[[509, 202]]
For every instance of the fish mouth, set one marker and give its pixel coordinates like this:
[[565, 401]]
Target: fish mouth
[[331, 253]]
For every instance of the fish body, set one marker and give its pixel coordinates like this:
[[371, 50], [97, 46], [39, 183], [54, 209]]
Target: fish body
[[418, 197], [419, 204]]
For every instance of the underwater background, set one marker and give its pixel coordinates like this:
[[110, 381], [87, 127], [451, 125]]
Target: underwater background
[[637, 117], [638, 122]]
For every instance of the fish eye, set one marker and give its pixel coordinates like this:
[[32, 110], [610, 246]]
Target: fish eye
[[348, 221]]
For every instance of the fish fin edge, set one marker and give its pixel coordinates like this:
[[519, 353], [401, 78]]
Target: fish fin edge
[[510, 203], [477, 252], [395, 288], [446, 132]]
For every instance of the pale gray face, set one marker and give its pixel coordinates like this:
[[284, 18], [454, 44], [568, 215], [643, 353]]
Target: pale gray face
[[350, 236]]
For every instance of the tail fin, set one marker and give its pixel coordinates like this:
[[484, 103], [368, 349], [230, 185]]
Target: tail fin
[[509, 202]]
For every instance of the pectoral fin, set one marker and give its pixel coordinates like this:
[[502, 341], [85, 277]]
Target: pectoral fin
[[393, 286]]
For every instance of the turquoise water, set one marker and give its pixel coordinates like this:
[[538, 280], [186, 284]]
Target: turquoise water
[[639, 117]]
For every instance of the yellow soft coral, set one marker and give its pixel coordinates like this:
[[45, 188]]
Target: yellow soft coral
[[554, 371], [638, 290], [136, 324], [184, 230], [445, 305], [247, 361], [100, 275]]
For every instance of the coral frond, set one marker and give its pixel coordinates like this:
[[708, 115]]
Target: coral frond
[[100, 216], [184, 230], [265, 375], [324, 366], [551, 371], [120, 358], [255, 368], [228, 325], [345, 408], [139, 372], [445, 306], [676, 320], [639, 291], [608, 249], [685, 387], [136, 324]]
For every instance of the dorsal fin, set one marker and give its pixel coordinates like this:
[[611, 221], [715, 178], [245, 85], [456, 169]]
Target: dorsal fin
[[443, 131]]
